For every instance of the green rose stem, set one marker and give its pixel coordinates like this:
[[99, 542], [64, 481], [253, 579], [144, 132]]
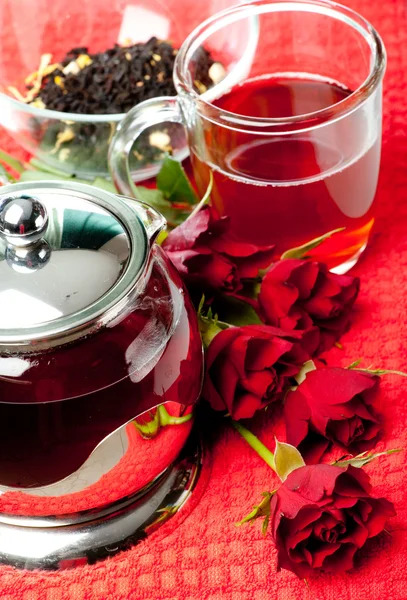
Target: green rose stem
[[161, 418], [150, 428], [166, 419], [256, 445]]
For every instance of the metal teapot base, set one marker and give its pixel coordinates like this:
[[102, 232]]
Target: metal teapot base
[[53, 547]]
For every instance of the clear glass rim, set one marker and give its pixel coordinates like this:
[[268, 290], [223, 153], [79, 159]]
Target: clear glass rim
[[255, 8], [59, 115]]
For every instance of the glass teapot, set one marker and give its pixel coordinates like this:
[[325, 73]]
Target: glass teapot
[[100, 369]]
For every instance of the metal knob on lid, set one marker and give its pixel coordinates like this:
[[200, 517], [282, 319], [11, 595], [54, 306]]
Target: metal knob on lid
[[73, 259], [23, 220]]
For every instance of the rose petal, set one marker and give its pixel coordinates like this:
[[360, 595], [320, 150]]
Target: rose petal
[[244, 364], [261, 383], [209, 270], [312, 483], [282, 285], [313, 447], [322, 552], [353, 483], [320, 304], [245, 406], [382, 510], [299, 536], [312, 531], [248, 258], [341, 560], [296, 415], [357, 536], [344, 431], [306, 516], [237, 352], [328, 521], [263, 354], [225, 382], [185, 235], [221, 341], [335, 385]]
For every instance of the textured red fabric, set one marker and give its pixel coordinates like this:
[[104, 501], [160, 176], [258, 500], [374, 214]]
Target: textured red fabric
[[200, 554]]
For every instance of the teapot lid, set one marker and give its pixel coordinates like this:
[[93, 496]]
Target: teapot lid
[[70, 257]]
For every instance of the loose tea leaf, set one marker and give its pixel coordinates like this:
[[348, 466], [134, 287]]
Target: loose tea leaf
[[108, 82], [112, 81]]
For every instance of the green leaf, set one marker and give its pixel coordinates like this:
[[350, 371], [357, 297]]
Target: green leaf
[[355, 364], [363, 459], [5, 175], [209, 324], [155, 198], [104, 184], [302, 251], [286, 458], [43, 176], [306, 368], [238, 311], [382, 372], [174, 184], [11, 162], [208, 331], [39, 165], [265, 525], [99, 182], [378, 372], [201, 305], [151, 196], [262, 510]]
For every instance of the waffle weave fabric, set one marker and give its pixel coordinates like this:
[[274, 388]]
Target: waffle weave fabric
[[200, 554]]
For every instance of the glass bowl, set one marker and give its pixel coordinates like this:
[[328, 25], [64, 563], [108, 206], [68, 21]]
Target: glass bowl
[[32, 29]]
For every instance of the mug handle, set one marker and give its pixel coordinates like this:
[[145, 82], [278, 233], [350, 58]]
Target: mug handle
[[144, 115]]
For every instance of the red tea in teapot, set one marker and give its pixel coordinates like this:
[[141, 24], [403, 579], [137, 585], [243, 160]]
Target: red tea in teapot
[[152, 357]]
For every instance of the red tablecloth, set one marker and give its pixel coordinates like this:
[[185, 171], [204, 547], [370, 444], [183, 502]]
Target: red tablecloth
[[200, 554]]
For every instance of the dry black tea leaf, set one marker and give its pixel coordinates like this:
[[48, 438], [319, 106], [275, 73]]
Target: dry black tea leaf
[[112, 81]]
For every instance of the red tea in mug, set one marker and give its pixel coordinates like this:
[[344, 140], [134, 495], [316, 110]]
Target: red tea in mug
[[287, 189]]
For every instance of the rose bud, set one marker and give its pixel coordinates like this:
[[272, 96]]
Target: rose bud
[[322, 515], [297, 294], [249, 367], [206, 257], [336, 404]]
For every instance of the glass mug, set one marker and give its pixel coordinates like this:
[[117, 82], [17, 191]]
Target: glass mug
[[293, 143]]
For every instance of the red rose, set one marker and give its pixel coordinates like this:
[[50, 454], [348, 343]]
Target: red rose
[[249, 367], [322, 515], [205, 255], [296, 294], [336, 404], [205, 269]]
